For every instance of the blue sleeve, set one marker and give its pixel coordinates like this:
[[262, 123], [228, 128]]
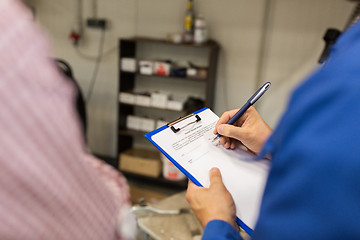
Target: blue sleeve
[[312, 190], [220, 230]]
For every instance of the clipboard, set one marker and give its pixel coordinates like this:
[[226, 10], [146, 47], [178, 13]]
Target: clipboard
[[187, 143]]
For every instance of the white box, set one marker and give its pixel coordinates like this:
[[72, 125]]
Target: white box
[[191, 72], [128, 64], [159, 100], [125, 97], [147, 124], [162, 68], [143, 100], [133, 122], [175, 105], [160, 123], [146, 67]]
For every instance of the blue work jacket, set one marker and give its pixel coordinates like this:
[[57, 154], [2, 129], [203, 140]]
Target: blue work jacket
[[313, 189]]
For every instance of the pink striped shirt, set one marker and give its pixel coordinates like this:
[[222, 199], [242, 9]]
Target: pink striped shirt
[[50, 188]]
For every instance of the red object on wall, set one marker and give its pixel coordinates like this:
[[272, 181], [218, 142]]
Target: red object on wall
[[74, 37]]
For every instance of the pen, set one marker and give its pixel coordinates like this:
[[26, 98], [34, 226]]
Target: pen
[[249, 102]]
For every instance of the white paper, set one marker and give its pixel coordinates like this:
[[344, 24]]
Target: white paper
[[193, 149]]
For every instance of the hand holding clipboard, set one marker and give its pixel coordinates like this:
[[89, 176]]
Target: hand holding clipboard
[[187, 143]]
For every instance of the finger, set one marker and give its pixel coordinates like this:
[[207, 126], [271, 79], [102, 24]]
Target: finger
[[215, 177], [225, 118], [232, 144], [228, 144], [192, 185], [246, 114], [190, 191], [230, 131], [225, 142]]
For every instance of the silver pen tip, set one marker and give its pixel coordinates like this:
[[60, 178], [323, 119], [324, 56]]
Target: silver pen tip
[[215, 138]]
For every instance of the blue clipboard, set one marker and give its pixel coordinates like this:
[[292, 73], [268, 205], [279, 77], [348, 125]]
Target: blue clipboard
[[149, 135]]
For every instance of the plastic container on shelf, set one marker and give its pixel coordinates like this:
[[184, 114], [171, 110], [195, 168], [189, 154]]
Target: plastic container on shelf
[[200, 32], [171, 172]]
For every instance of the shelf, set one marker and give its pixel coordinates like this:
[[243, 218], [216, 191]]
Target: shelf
[[169, 77], [151, 107], [131, 133], [165, 77], [208, 44], [181, 185], [152, 48]]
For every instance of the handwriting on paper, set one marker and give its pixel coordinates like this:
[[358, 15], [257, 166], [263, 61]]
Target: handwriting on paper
[[192, 135]]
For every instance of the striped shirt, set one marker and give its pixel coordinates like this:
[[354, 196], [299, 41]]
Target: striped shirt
[[50, 187]]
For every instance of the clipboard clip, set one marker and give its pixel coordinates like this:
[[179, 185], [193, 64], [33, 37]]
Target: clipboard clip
[[175, 130]]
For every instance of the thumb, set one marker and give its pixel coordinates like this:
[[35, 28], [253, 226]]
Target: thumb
[[215, 177], [231, 131], [192, 186]]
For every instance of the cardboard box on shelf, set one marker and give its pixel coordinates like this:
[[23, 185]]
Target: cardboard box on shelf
[[197, 73], [147, 124], [175, 105], [146, 67], [143, 100], [133, 122], [125, 97], [159, 100], [141, 161], [128, 64], [162, 68]]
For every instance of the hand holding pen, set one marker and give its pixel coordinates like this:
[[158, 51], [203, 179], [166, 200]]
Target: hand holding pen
[[244, 125]]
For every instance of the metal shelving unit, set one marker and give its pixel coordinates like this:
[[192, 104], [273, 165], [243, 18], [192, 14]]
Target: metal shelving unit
[[129, 48]]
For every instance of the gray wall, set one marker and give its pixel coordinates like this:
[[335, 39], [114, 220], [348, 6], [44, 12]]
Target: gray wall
[[292, 31]]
